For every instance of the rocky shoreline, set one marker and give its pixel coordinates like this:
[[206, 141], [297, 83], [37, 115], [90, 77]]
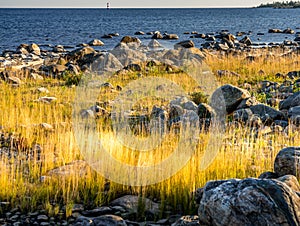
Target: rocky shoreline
[[271, 199]]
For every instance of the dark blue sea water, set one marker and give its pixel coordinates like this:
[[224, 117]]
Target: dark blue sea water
[[74, 26]]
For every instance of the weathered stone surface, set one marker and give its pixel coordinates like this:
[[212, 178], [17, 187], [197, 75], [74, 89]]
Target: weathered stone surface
[[246, 40], [79, 54], [139, 33], [170, 36], [157, 35], [78, 167], [34, 48], [14, 80], [290, 181], [105, 220], [96, 42], [243, 115], [187, 221], [249, 202], [54, 69], [129, 39], [190, 105], [47, 99], [248, 102], [184, 44], [205, 111], [287, 162], [291, 101], [128, 56], [130, 204], [105, 63], [58, 49], [154, 44], [97, 212], [228, 97], [266, 113], [294, 115]]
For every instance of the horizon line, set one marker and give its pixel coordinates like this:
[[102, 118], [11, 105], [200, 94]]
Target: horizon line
[[202, 7]]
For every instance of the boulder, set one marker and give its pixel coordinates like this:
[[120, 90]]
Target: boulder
[[175, 114], [105, 63], [128, 56], [291, 101], [22, 49], [248, 102], [228, 97], [34, 48], [184, 44], [288, 31], [248, 202], [54, 69], [243, 115], [14, 80], [130, 203], [104, 220], [294, 115], [205, 111], [154, 44], [190, 105], [106, 36], [287, 162], [96, 42], [129, 39], [275, 31], [139, 33], [290, 181], [246, 40], [221, 46], [157, 35], [58, 49], [187, 221], [170, 36], [82, 55], [266, 113]]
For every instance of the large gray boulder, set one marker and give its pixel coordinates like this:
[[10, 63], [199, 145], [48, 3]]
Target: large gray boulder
[[248, 202], [287, 162], [105, 63], [205, 111], [294, 115], [291, 101], [266, 113], [228, 97], [130, 203], [81, 55], [127, 55]]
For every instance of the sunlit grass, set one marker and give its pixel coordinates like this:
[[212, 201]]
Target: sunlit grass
[[242, 154]]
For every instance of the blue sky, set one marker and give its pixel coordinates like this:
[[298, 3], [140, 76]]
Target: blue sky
[[131, 3]]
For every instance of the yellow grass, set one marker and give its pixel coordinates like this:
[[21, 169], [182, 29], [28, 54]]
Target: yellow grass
[[241, 155]]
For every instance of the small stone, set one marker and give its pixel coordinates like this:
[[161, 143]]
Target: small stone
[[96, 42], [42, 218], [43, 90], [47, 100]]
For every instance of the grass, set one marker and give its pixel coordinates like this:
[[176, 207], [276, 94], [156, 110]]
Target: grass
[[242, 154]]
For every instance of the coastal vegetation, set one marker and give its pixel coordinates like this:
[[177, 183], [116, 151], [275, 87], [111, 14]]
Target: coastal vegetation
[[281, 5], [42, 167]]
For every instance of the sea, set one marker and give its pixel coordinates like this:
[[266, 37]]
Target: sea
[[70, 27]]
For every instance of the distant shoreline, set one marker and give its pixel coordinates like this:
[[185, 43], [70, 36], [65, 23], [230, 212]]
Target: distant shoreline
[[281, 5], [118, 8]]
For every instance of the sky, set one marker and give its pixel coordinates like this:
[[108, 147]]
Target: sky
[[129, 3]]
